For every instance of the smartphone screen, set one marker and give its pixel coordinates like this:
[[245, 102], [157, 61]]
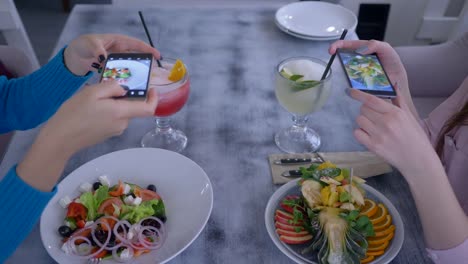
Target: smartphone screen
[[131, 71], [365, 72]]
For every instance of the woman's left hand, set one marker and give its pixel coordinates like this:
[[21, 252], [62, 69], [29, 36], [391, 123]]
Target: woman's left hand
[[88, 52], [392, 132]]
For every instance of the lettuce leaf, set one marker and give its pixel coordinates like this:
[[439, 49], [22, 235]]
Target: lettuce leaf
[[92, 201], [134, 214]]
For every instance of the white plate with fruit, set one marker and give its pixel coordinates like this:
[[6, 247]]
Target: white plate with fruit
[[321, 218]]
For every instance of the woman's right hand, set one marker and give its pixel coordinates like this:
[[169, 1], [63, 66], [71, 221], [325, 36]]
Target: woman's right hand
[[94, 114], [390, 61]]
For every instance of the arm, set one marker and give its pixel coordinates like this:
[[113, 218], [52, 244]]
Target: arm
[[86, 119], [444, 222], [30, 100], [446, 64], [393, 133]]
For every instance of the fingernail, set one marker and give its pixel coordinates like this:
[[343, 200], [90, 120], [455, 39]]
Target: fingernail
[[102, 58], [361, 49], [96, 65]]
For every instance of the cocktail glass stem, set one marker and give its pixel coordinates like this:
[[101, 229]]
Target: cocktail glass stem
[[300, 121], [163, 124]]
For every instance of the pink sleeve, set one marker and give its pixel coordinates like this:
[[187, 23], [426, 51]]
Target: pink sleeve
[[458, 254]]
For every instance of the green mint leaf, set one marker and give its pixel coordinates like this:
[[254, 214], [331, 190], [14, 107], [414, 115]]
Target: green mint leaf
[[303, 85], [297, 229], [353, 215], [295, 77]]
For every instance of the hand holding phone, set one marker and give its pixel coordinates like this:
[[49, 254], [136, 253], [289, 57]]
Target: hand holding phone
[[366, 73], [131, 71]]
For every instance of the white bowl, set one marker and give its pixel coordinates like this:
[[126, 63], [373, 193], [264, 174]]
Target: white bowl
[[184, 187], [294, 252], [315, 19]]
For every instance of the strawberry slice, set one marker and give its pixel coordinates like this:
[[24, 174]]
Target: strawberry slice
[[283, 214], [287, 221]]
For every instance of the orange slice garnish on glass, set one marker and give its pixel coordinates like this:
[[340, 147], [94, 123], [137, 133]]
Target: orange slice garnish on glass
[[369, 209], [367, 259], [380, 215], [377, 241], [177, 72]]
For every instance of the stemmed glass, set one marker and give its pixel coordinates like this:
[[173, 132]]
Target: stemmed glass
[[300, 91], [172, 97]]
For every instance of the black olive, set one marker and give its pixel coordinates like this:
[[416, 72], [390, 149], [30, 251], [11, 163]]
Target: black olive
[[151, 222], [120, 229], [65, 231], [151, 187], [96, 185], [133, 195], [101, 235], [163, 218]]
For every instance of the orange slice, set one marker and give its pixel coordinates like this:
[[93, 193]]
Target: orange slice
[[367, 259], [375, 253], [369, 208], [380, 215], [377, 248], [384, 224], [178, 71], [385, 232], [377, 241]]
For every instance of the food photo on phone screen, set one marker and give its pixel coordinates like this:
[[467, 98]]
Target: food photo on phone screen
[[131, 71]]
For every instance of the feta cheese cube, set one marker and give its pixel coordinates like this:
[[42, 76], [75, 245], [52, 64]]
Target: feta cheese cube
[[127, 189], [128, 200], [86, 187], [125, 255], [104, 180], [88, 223], [65, 201], [66, 248], [137, 201], [130, 235]]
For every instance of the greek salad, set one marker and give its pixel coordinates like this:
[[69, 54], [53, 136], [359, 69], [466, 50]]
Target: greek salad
[[119, 221]]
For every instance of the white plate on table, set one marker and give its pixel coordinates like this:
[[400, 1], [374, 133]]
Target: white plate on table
[[315, 19], [183, 185], [305, 36], [293, 188]]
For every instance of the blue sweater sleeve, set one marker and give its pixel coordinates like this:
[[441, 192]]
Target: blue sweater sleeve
[[28, 101], [20, 207]]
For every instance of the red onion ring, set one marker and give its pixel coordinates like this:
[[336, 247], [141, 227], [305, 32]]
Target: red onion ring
[[109, 234], [158, 240], [138, 242], [71, 243], [122, 223]]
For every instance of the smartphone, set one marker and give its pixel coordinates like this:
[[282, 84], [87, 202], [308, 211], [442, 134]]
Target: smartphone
[[131, 70], [365, 72]]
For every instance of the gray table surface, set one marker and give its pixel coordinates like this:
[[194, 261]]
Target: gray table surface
[[230, 120]]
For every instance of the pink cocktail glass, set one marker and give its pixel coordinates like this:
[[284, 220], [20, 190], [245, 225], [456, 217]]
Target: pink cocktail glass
[[172, 97]]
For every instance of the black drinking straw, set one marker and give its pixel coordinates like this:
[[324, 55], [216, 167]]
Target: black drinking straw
[[343, 35], [147, 34]]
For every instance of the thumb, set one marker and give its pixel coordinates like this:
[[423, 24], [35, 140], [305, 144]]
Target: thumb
[[399, 100], [109, 89]]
